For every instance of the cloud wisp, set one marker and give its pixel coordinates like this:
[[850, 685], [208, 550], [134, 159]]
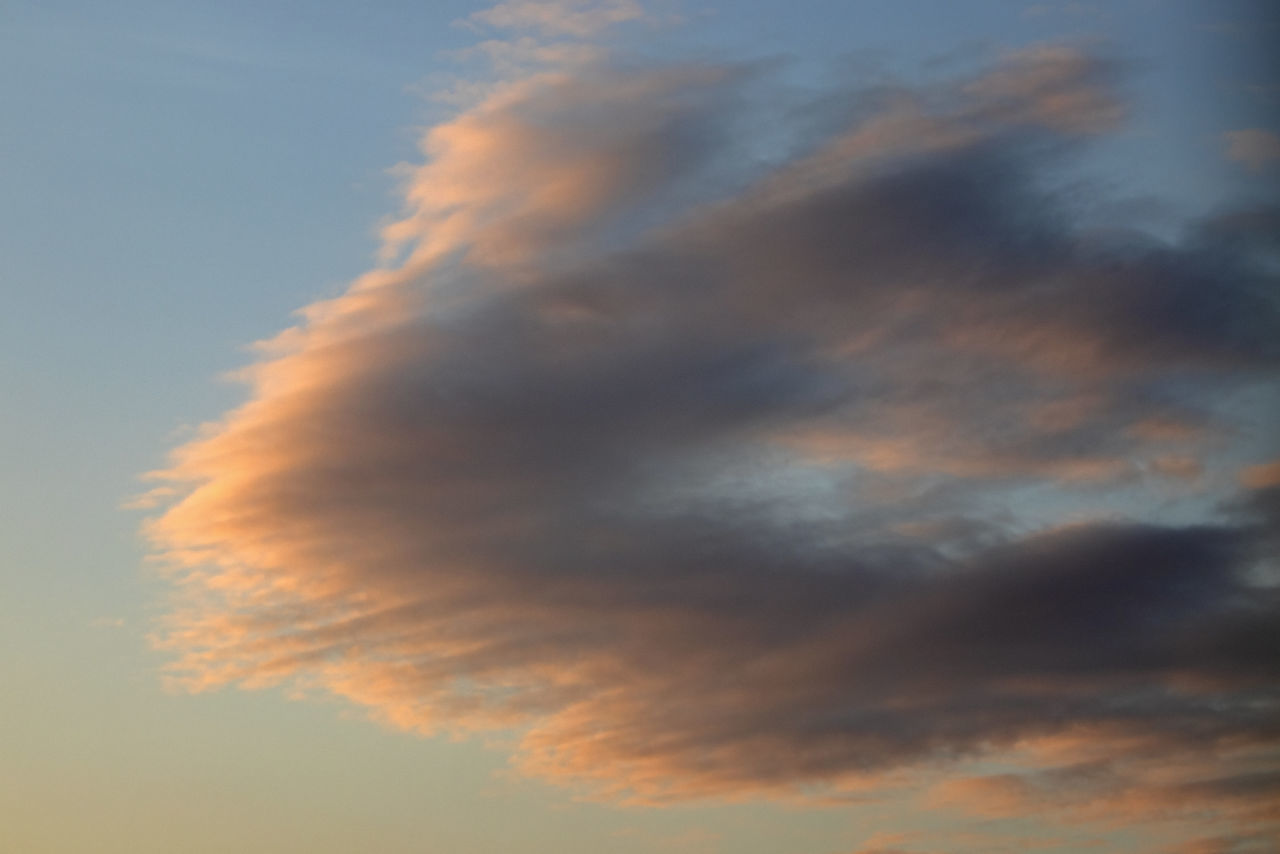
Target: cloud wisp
[[1256, 148], [717, 458]]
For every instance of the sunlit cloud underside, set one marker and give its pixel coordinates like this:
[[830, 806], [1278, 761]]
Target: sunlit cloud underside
[[725, 443]]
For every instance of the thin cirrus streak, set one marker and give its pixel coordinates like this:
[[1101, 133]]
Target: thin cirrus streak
[[724, 459]]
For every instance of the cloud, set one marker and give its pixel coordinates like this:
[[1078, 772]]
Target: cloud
[[580, 18], [1256, 148], [1261, 475], [717, 461], [1229, 844]]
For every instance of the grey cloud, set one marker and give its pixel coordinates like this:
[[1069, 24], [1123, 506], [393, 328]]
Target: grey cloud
[[731, 506]]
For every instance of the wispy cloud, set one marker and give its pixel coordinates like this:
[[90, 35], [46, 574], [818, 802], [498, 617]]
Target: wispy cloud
[[721, 461], [580, 18], [1256, 148]]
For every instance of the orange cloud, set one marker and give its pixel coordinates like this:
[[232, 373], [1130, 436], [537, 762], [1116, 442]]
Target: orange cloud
[[1261, 476], [1256, 148], [705, 475]]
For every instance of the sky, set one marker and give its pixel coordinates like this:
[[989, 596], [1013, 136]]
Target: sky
[[819, 427]]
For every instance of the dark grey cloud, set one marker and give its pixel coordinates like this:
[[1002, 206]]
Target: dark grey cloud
[[762, 498]]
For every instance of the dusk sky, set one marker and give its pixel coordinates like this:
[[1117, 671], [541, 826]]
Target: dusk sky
[[577, 426]]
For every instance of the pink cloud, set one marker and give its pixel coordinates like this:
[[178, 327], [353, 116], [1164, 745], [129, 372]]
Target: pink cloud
[[1256, 148], [702, 474]]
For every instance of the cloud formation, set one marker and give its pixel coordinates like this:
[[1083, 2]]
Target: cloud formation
[[580, 18], [722, 458], [1256, 148]]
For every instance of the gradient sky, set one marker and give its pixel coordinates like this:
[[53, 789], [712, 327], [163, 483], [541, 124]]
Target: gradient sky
[[783, 428]]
